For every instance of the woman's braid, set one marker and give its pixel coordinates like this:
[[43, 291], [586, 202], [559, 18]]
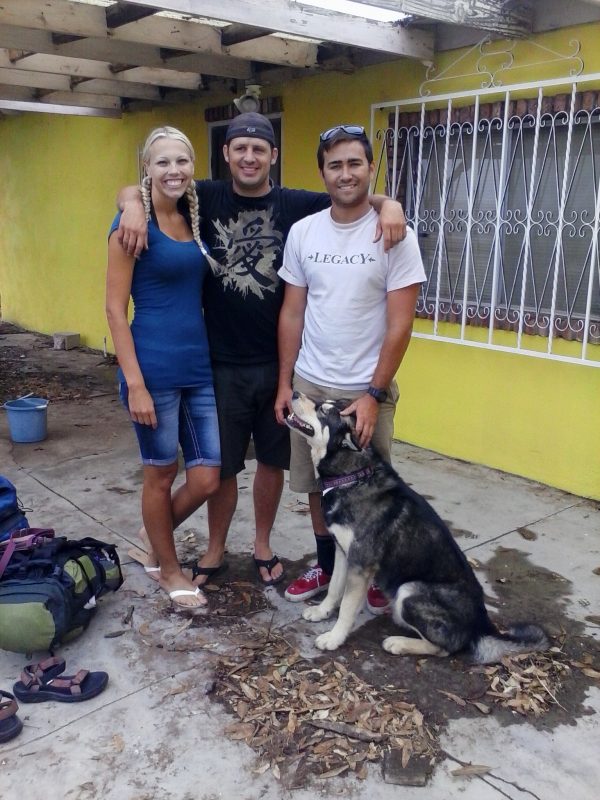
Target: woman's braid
[[146, 195], [194, 206]]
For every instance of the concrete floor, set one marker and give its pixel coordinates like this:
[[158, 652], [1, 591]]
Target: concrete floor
[[156, 733]]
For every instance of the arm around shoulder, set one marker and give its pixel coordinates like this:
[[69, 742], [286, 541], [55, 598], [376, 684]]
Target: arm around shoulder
[[133, 227], [392, 222]]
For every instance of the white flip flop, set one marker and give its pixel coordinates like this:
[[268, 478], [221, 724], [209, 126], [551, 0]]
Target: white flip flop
[[139, 556], [186, 593]]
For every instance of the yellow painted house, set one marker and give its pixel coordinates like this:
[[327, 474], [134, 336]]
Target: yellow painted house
[[495, 153]]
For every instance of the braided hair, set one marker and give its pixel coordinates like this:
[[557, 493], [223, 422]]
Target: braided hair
[[191, 197]]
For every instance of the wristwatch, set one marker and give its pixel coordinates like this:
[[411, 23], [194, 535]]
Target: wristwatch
[[379, 394]]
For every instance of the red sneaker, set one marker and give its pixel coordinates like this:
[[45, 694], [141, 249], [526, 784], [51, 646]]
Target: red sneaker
[[308, 585], [377, 602]]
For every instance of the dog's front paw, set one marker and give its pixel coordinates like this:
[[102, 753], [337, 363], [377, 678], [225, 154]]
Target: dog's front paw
[[317, 613], [330, 640]]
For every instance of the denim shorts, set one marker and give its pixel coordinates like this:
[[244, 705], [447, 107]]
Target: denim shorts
[[186, 417], [246, 404]]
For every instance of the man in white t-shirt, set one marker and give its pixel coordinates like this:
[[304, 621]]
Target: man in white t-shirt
[[345, 324]]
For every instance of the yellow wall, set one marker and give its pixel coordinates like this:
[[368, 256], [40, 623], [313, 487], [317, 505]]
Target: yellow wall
[[524, 415], [59, 177]]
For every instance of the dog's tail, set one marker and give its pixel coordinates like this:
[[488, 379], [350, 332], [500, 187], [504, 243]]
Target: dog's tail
[[522, 638]]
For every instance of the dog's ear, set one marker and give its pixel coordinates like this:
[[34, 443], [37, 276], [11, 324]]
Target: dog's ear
[[341, 428], [341, 404], [350, 441]]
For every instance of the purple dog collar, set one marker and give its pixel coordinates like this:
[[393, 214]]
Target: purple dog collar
[[345, 480]]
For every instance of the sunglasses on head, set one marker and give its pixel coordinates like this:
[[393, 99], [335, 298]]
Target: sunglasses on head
[[350, 130]]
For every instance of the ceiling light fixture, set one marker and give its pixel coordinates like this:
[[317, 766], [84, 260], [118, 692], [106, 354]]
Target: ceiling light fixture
[[250, 100]]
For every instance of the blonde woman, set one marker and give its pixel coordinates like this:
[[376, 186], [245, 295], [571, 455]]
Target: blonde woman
[[165, 374]]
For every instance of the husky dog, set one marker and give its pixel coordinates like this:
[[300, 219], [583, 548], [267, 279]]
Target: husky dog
[[385, 531]]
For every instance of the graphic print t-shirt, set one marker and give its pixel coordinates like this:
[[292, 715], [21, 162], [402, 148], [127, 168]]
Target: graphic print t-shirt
[[246, 235]]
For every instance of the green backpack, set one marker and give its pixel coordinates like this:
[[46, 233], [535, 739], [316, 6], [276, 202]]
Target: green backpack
[[49, 586]]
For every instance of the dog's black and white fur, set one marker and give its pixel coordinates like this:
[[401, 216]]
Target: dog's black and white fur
[[386, 532]]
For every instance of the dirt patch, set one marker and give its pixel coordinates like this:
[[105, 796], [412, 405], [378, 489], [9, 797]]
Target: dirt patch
[[262, 685], [329, 716], [29, 364], [525, 592], [307, 717]]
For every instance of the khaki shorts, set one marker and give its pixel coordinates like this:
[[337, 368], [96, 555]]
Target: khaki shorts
[[302, 472]]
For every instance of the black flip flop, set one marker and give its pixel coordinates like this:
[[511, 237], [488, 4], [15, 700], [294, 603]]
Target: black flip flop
[[36, 688], [268, 565], [10, 724], [208, 572]]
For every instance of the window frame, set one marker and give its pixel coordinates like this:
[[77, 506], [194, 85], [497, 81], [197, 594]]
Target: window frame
[[448, 115]]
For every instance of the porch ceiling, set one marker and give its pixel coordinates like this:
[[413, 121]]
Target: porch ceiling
[[104, 57]]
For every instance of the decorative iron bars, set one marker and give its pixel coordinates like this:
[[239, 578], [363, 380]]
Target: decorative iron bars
[[505, 198]]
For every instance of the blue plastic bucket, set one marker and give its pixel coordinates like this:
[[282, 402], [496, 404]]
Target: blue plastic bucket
[[27, 419]]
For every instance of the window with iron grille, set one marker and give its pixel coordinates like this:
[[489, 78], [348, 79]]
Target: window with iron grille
[[505, 197]]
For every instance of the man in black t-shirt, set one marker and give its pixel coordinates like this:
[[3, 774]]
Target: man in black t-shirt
[[245, 223]]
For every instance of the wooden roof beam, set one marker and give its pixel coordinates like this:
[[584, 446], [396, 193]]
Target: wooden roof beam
[[68, 19], [510, 18], [70, 23], [278, 51], [120, 52], [308, 21]]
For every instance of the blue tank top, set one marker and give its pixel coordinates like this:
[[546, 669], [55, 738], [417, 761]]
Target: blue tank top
[[168, 325]]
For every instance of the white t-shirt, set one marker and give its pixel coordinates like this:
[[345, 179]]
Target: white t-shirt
[[348, 277]]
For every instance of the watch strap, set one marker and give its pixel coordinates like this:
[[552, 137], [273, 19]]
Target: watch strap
[[379, 394]]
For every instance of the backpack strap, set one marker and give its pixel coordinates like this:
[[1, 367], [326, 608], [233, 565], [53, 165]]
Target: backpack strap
[[36, 546], [7, 555]]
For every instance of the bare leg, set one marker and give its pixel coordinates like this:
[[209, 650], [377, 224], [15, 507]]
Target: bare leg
[[221, 508], [267, 489], [200, 483], [158, 520]]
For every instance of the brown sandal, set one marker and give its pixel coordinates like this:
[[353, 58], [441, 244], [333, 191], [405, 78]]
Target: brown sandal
[[10, 724], [39, 682]]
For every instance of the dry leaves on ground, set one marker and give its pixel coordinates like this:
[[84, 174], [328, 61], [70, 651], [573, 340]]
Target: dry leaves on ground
[[304, 719], [528, 684]]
